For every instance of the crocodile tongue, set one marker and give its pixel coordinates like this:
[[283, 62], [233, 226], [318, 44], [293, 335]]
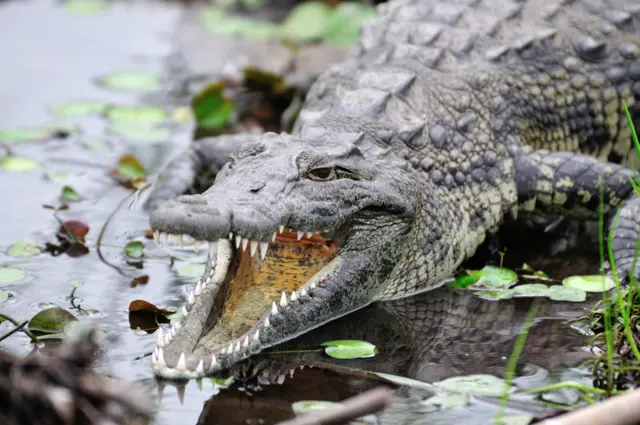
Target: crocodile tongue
[[253, 283]]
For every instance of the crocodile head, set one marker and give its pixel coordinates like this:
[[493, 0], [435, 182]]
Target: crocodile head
[[301, 232]]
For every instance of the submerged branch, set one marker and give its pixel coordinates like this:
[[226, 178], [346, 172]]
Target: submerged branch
[[19, 327]]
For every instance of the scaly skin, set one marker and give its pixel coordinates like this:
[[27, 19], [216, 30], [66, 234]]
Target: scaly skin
[[449, 119]]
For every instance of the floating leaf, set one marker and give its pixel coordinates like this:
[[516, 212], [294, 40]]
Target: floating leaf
[[566, 293], [24, 248], [222, 382], [135, 132], [191, 270], [343, 24], [134, 249], [306, 22], [78, 108], [211, 109], [306, 406], [132, 81], [19, 164], [349, 349], [4, 295], [73, 230], [448, 401], [489, 276], [495, 295], [18, 135], [479, 385], [86, 6], [9, 275], [141, 305], [532, 289], [129, 167], [135, 114], [218, 21], [182, 115], [51, 320], [69, 194], [140, 280], [590, 283]]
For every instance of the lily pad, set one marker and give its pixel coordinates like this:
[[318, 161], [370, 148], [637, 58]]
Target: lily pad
[[135, 132], [86, 6], [9, 275], [349, 349], [134, 249], [132, 81], [478, 385], [488, 277], [78, 108], [191, 270], [128, 166], [244, 27], [211, 109], [566, 293], [532, 290], [19, 164], [135, 114], [18, 135], [590, 283], [307, 22], [4, 295], [51, 320], [448, 401], [69, 194], [494, 295], [24, 248], [306, 406]]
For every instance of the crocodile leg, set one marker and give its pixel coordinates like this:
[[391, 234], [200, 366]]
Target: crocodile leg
[[574, 186], [205, 155]]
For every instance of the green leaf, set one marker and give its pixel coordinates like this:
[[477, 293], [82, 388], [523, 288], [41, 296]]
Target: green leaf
[[77, 283], [86, 6], [478, 385], [343, 25], [137, 132], [495, 295], [128, 166], [78, 108], [349, 349], [135, 114], [19, 164], [306, 406], [18, 135], [191, 270], [590, 283], [464, 281], [51, 320], [9, 275], [566, 293], [242, 27], [532, 289], [306, 22], [211, 109], [69, 194], [132, 81], [134, 249], [24, 248], [489, 276], [222, 382], [448, 401], [4, 295]]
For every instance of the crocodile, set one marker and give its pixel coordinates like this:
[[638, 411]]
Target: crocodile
[[447, 121]]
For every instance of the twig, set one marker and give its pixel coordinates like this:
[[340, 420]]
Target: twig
[[14, 330], [19, 328], [363, 404], [619, 410]]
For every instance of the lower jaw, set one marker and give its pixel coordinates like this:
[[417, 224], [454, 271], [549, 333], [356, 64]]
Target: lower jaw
[[235, 307]]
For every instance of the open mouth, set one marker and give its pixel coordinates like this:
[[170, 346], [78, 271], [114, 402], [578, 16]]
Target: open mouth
[[249, 290]]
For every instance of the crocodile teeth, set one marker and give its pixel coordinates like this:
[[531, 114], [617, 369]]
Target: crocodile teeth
[[308, 235], [167, 338], [177, 326], [256, 337], [182, 364], [230, 236], [245, 344], [230, 348], [303, 292], [281, 228], [294, 296], [273, 238], [274, 309], [238, 346], [198, 290], [312, 286], [192, 298], [291, 372], [161, 362], [300, 234], [254, 248], [281, 379], [200, 368], [156, 237], [283, 300], [185, 312], [160, 337], [212, 249], [154, 359], [264, 246], [266, 323], [214, 362], [245, 242], [238, 241]]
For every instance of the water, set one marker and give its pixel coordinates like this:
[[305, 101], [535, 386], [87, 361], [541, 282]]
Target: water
[[51, 56]]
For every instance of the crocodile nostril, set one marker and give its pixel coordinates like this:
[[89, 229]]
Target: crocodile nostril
[[257, 186]]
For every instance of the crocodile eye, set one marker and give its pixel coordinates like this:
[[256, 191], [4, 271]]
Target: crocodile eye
[[322, 174]]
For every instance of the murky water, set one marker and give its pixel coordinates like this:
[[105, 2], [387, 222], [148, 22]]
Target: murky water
[[51, 56]]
